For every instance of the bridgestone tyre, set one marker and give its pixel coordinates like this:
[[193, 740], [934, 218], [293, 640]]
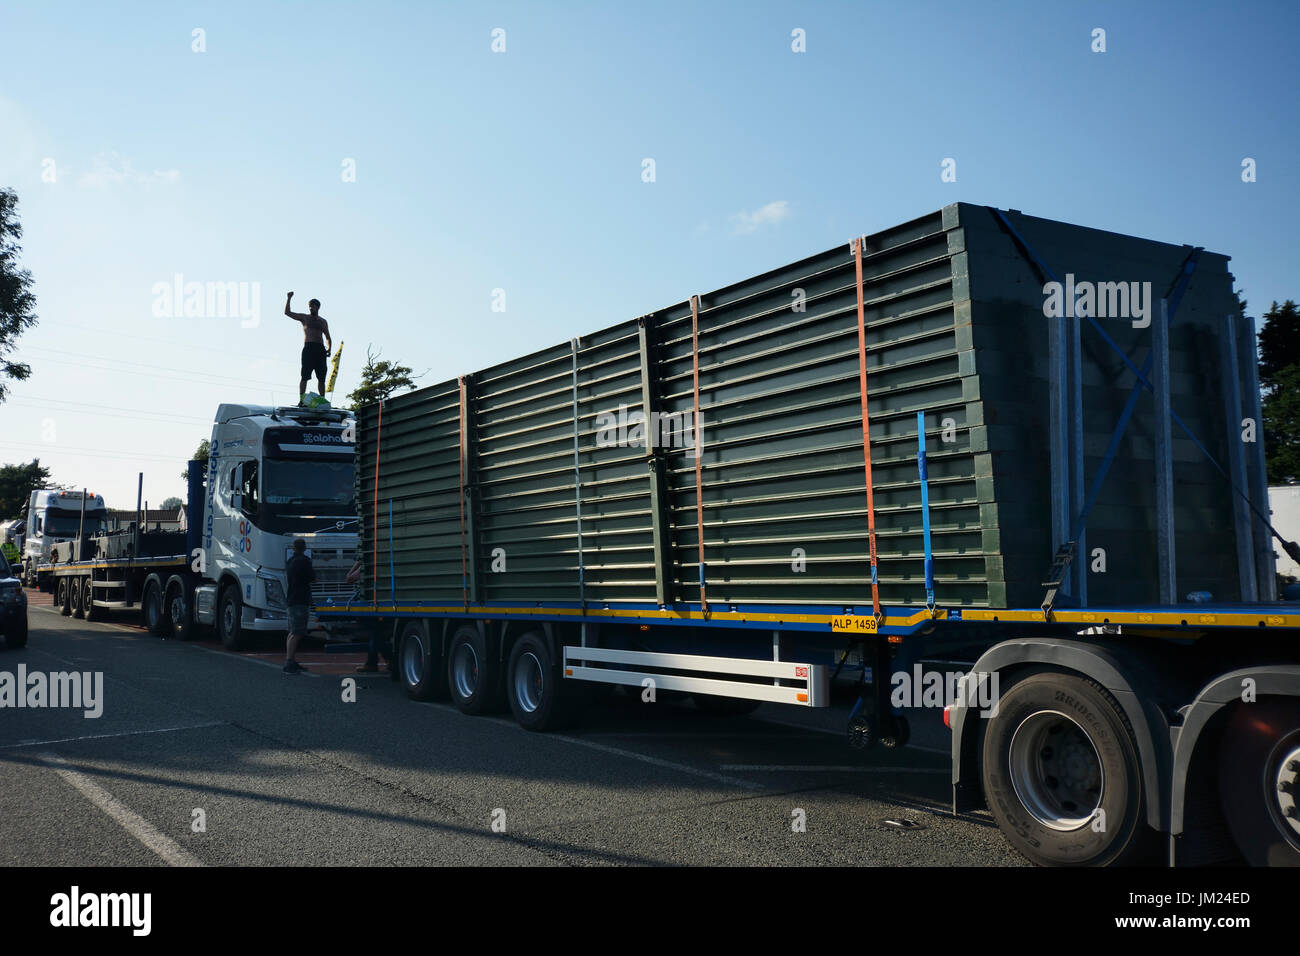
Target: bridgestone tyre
[[473, 672], [1257, 784], [419, 663], [1061, 773], [539, 696], [63, 597]]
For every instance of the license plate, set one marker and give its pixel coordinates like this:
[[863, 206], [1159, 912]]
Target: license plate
[[853, 624]]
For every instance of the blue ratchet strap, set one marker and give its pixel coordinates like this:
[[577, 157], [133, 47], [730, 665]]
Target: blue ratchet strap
[[925, 510], [1121, 426], [392, 574]]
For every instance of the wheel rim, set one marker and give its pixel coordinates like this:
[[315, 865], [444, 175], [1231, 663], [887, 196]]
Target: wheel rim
[[151, 609], [413, 660], [1285, 787], [174, 609], [528, 682], [228, 617], [87, 596], [465, 670], [1056, 770], [63, 593]]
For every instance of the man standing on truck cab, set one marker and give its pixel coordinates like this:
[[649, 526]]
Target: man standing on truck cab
[[299, 575], [314, 351]]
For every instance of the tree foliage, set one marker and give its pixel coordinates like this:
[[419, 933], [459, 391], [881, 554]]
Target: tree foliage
[[17, 303], [171, 504], [200, 454], [379, 379], [1279, 376], [17, 482]]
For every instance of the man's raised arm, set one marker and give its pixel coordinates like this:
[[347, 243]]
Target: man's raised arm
[[296, 316]]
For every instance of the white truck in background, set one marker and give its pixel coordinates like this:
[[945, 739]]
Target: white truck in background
[[1284, 502], [53, 516], [273, 475]]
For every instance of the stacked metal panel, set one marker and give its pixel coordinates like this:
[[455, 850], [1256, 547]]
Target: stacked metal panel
[[572, 495]]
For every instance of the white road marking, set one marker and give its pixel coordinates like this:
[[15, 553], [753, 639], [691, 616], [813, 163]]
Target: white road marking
[[164, 847], [125, 733], [825, 768], [655, 761]]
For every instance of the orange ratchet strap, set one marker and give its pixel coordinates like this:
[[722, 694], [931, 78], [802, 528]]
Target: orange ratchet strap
[[866, 427]]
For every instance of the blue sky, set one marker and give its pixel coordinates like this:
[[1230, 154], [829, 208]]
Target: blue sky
[[522, 171]]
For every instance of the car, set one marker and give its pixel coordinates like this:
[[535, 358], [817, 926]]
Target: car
[[13, 607]]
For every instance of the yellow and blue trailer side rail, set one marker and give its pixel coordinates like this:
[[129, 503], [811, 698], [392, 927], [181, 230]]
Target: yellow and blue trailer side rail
[[900, 622]]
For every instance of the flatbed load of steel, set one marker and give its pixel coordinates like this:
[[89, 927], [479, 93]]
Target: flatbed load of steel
[[710, 455]]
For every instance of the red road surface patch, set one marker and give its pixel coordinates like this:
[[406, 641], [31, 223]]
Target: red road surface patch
[[311, 652]]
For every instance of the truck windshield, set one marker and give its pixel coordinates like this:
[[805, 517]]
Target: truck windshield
[[298, 487], [62, 523]]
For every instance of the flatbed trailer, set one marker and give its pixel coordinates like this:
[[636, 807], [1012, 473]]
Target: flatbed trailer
[[871, 456]]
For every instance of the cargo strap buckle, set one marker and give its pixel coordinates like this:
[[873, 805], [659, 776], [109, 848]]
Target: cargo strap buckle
[[1056, 575]]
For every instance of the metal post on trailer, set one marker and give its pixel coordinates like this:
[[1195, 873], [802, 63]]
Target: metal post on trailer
[[923, 472], [1058, 361], [575, 344], [1241, 520], [139, 497], [699, 451], [1075, 446], [1165, 558], [659, 518], [1265, 559], [81, 527]]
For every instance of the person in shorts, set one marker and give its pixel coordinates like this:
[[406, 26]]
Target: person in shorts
[[314, 350], [299, 576]]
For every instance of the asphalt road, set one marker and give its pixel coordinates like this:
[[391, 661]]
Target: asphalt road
[[286, 772]]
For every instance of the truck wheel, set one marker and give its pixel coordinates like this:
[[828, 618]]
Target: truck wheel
[[1061, 773], [419, 663], [724, 706], [62, 597], [230, 616], [151, 608], [1259, 781], [540, 698], [473, 672], [76, 593], [176, 607], [92, 613]]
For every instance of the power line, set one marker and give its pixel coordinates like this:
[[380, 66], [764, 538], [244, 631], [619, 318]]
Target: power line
[[54, 447], [191, 378], [80, 409]]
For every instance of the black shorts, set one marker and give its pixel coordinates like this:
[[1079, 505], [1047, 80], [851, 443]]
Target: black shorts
[[313, 360]]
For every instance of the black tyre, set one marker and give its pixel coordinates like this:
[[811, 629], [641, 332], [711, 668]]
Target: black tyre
[[63, 597], [230, 616], [18, 636], [724, 706], [151, 608], [1259, 781], [76, 593], [91, 612], [419, 664], [473, 672], [540, 698], [177, 608], [1061, 773]]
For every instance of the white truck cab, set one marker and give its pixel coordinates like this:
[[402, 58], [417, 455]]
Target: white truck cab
[[52, 516], [274, 474]]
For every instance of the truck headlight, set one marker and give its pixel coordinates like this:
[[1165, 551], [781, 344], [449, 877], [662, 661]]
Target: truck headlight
[[274, 592]]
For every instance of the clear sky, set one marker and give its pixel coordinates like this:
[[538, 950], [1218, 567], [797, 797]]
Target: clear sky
[[522, 171]]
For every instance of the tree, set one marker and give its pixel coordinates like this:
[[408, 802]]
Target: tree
[[1279, 377], [17, 482], [379, 379], [1279, 342], [171, 504], [17, 303], [200, 454]]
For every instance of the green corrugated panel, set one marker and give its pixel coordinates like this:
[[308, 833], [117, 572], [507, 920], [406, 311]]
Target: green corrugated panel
[[954, 328]]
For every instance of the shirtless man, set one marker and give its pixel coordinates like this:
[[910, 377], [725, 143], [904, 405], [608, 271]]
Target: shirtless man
[[314, 352]]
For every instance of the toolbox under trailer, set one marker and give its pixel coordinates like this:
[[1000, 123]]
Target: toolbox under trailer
[[884, 467]]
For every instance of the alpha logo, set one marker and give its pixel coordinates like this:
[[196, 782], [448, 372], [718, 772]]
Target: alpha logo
[[245, 543]]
